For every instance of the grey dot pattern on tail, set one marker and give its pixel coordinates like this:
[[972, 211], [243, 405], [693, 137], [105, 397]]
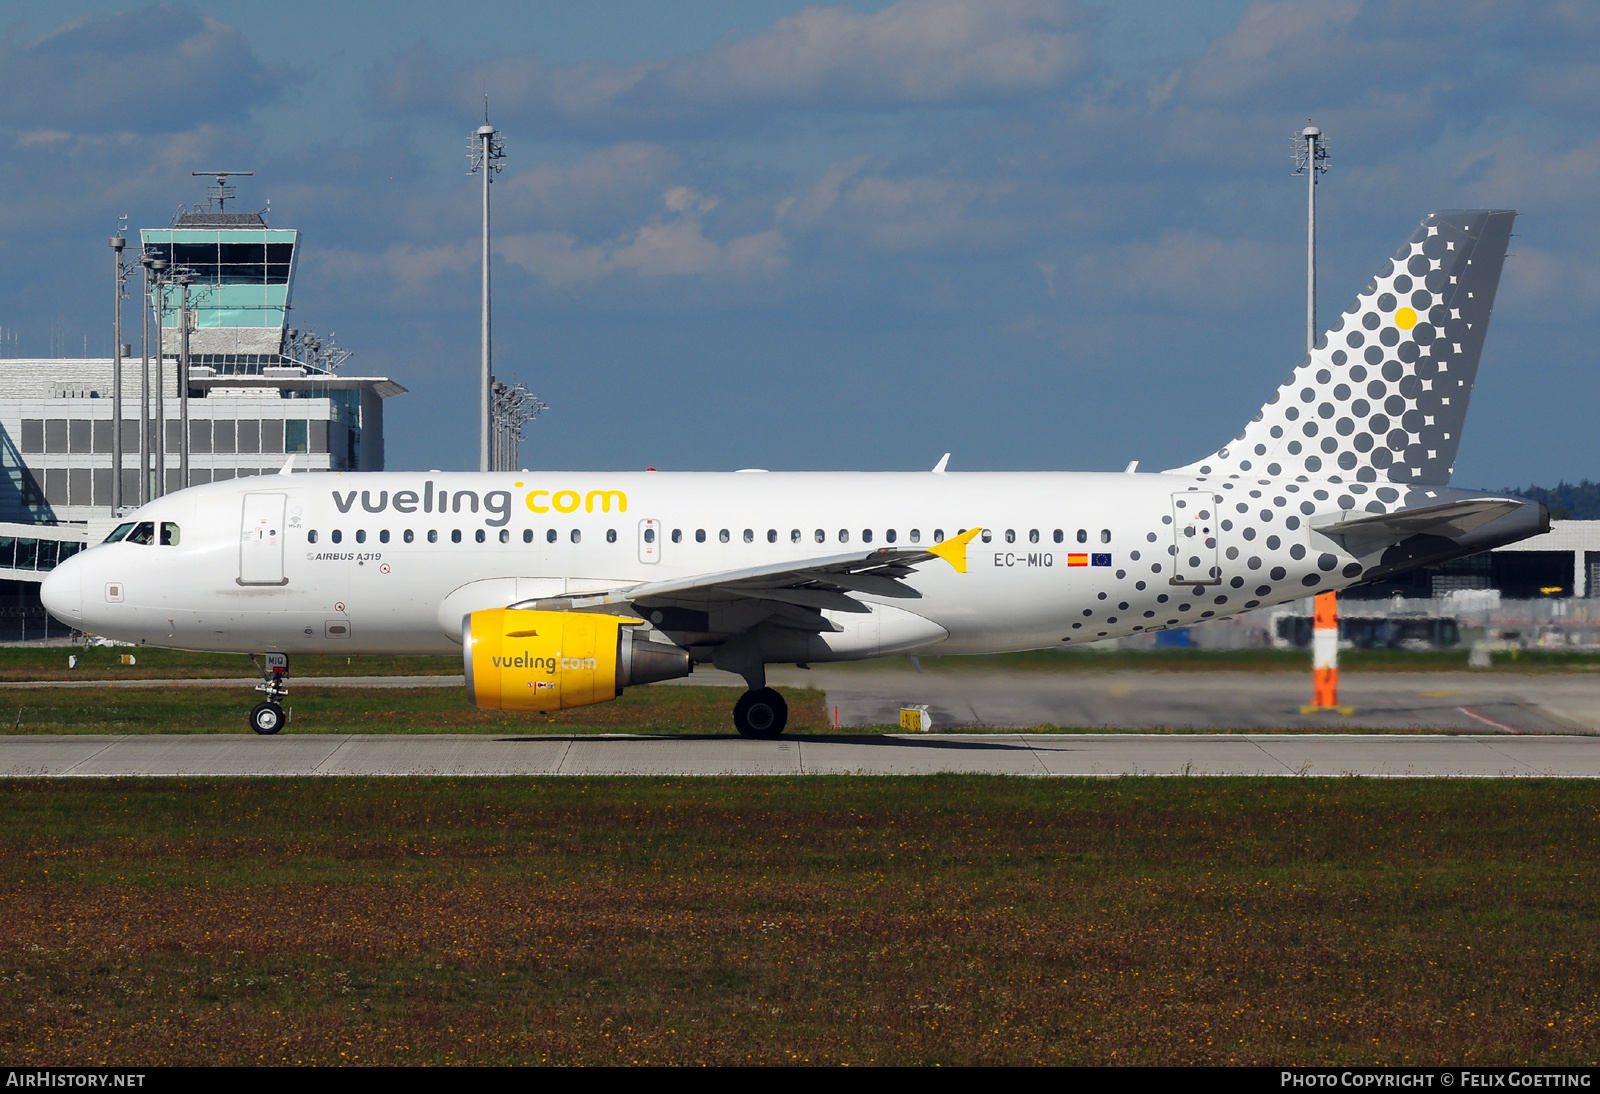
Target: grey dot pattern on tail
[[1383, 396]]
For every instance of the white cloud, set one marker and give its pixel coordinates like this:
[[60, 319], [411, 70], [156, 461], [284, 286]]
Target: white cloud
[[671, 246], [1186, 270], [912, 53]]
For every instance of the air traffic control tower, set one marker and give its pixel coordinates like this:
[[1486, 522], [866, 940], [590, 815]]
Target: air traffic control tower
[[243, 274], [261, 388]]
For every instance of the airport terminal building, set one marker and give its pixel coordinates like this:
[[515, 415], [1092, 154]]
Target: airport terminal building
[[260, 392]]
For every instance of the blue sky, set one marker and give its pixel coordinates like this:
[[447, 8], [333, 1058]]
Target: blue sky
[[1038, 234]]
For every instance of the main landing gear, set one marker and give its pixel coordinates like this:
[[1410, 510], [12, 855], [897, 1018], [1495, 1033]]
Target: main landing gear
[[268, 716], [760, 713]]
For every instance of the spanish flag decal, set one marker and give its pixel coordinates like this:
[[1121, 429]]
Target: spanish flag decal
[[1077, 560]]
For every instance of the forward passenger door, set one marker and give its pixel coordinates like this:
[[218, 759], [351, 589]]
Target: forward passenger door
[[261, 540]]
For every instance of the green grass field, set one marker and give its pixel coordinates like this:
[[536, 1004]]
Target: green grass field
[[23, 663], [201, 709], [956, 920], [19, 663]]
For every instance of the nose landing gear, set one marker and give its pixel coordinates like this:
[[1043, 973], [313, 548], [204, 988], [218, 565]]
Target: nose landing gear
[[760, 713], [267, 717]]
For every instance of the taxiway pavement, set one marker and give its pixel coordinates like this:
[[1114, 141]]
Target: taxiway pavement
[[1104, 754]]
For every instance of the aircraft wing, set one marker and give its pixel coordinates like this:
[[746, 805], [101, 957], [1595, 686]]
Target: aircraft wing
[[813, 585], [1450, 520]]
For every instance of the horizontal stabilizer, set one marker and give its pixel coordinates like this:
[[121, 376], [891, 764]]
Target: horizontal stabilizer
[[1452, 520]]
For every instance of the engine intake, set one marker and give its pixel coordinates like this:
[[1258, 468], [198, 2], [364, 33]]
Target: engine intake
[[533, 660]]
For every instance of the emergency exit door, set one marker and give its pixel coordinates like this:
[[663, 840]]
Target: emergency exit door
[[649, 541], [261, 540]]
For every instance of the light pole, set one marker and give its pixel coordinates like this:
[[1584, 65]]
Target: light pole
[[158, 266], [184, 278], [145, 260], [514, 407], [1311, 159], [487, 154], [118, 242]]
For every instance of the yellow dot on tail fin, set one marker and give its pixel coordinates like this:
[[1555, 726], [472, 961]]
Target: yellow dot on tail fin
[[1405, 318]]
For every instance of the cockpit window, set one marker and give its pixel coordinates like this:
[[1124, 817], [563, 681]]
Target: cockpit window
[[119, 532], [143, 532], [169, 534]]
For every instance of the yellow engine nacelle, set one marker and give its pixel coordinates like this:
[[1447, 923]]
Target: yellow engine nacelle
[[532, 660]]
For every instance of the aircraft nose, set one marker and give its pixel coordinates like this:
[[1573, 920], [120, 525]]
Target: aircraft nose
[[62, 592]]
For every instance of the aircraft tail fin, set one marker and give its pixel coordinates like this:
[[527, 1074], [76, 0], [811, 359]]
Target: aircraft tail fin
[[1384, 395]]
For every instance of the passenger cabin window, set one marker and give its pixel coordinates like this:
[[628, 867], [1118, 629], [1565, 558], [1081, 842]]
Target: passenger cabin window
[[505, 535], [576, 535], [772, 535], [336, 535], [844, 535], [866, 535], [888, 536], [383, 536], [1105, 535], [455, 535], [677, 535], [794, 535], [550, 536], [1033, 535], [821, 536], [611, 535], [479, 536], [119, 532], [1060, 535], [144, 532], [916, 535], [749, 535], [1011, 536], [527, 535], [311, 536], [361, 535], [410, 536], [938, 535], [723, 535], [1083, 536], [433, 535], [987, 537]]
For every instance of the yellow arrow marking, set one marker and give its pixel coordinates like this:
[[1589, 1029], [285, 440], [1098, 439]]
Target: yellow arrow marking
[[954, 551]]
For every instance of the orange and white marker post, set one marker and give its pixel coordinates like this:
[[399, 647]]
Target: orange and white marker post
[[1325, 657]]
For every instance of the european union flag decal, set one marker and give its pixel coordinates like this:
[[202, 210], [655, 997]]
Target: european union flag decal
[[1100, 560]]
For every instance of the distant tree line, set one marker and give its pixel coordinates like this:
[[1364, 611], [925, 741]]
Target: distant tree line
[[1567, 501]]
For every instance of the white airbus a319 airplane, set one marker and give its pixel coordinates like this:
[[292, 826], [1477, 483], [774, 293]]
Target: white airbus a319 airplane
[[563, 588]]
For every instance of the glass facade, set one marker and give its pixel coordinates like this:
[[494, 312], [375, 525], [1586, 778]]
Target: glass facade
[[27, 553], [243, 276]]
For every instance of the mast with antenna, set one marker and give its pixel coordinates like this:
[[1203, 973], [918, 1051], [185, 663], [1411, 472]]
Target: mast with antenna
[[1311, 159], [219, 192], [487, 154]]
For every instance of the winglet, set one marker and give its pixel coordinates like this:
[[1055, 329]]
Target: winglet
[[944, 462], [954, 551]]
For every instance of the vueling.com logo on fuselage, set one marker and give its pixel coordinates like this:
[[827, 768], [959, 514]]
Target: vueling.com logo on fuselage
[[548, 664], [495, 503]]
